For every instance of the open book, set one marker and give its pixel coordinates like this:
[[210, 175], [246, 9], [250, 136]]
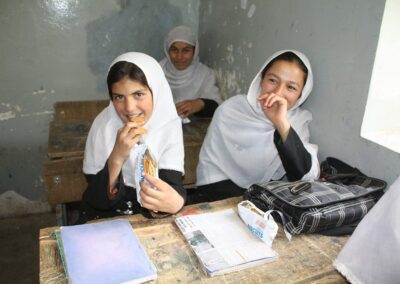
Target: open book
[[222, 242], [104, 252]]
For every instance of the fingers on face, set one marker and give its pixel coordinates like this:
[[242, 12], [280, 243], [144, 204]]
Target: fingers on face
[[268, 100]]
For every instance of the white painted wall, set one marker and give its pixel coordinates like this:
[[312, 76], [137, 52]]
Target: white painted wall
[[339, 37]]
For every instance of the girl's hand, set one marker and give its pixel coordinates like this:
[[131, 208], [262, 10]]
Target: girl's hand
[[160, 196], [188, 107], [275, 109], [127, 136]]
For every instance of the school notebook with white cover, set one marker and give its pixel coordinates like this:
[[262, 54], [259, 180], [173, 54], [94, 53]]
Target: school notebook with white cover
[[105, 252], [223, 243]]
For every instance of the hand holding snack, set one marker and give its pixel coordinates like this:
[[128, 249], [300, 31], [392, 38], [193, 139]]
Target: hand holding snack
[[137, 127], [127, 136], [157, 195]]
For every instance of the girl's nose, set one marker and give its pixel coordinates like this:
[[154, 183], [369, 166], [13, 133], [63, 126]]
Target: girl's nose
[[130, 104], [279, 90], [180, 54]]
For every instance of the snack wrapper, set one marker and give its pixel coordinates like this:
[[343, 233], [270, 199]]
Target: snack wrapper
[[145, 162], [185, 120], [259, 223]]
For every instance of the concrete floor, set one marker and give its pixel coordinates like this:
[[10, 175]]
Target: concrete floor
[[19, 249]]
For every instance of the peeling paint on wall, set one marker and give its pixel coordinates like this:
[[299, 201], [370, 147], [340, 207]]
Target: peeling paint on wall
[[229, 54], [39, 92], [229, 82], [243, 4], [7, 115], [46, 112], [42, 91], [251, 11], [12, 113], [17, 109]]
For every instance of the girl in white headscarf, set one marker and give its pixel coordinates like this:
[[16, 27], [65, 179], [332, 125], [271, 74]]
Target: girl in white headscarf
[[262, 136], [138, 92], [193, 84]]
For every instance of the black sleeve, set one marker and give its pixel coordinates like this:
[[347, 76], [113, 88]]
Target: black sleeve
[[174, 179], [209, 108], [295, 158], [96, 191]]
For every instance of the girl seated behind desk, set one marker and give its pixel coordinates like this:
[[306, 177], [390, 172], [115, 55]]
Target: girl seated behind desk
[[262, 136], [138, 89], [193, 84]]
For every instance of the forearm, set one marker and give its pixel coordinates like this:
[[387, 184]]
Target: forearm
[[97, 191], [114, 170], [295, 158], [209, 108], [283, 129]]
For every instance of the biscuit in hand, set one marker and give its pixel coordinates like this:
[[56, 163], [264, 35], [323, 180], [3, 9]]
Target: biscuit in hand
[[149, 164]]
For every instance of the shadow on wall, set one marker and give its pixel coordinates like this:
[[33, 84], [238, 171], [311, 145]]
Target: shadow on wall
[[139, 26]]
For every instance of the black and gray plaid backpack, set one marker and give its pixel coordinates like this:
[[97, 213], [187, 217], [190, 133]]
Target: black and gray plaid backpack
[[332, 205]]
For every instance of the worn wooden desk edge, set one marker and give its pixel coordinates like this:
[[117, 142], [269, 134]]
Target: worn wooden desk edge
[[140, 223]]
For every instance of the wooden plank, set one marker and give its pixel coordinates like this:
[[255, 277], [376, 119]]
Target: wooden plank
[[78, 110], [305, 259], [67, 138], [64, 180], [193, 136]]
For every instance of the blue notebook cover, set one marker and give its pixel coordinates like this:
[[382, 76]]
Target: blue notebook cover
[[105, 252]]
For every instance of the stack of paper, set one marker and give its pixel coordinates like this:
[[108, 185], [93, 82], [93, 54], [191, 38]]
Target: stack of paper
[[104, 252], [223, 243]]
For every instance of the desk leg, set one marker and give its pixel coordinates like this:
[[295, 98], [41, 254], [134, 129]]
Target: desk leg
[[61, 214]]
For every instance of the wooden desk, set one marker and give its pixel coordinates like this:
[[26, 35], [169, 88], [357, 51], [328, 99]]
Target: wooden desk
[[63, 177], [305, 259]]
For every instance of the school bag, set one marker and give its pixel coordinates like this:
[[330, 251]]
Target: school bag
[[332, 205]]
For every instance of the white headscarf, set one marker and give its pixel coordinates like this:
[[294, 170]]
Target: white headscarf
[[197, 80], [164, 128], [239, 142]]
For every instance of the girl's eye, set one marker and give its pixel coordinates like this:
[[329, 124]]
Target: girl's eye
[[292, 88], [173, 50], [139, 95], [118, 97]]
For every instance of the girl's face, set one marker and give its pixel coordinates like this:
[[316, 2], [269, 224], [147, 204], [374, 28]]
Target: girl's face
[[181, 54], [132, 99], [285, 79]]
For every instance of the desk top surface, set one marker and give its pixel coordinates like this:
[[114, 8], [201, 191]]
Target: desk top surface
[[68, 138], [305, 259]]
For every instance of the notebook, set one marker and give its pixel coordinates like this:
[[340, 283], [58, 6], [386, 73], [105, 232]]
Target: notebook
[[104, 252], [223, 243]]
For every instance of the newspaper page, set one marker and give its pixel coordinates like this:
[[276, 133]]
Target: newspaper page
[[223, 243]]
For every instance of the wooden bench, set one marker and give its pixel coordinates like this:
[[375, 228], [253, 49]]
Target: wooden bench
[[63, 177]]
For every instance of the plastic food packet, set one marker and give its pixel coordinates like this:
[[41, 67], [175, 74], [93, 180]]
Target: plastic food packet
[[185, 120], [145, 163], [259, 223]]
